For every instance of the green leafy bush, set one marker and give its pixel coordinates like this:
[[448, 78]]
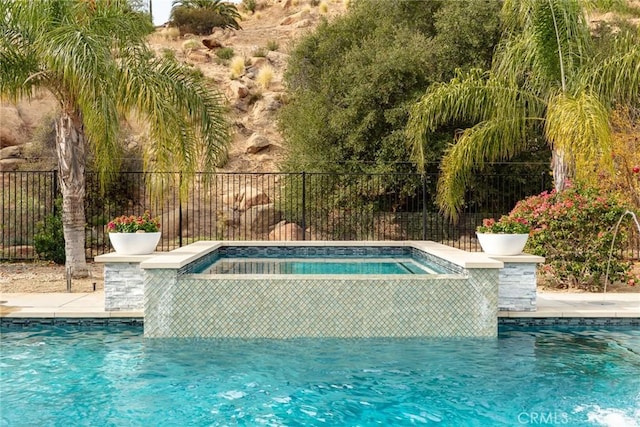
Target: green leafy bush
[[225, 53], [49, 239], [574, 230], [353, 79]]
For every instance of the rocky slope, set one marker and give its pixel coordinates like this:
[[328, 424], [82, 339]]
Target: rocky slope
[[257, 145]]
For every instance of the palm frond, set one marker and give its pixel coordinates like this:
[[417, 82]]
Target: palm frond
[[616, 78], [489, 141], [545, 42], [579, 127], [470, 98], [186, 117]]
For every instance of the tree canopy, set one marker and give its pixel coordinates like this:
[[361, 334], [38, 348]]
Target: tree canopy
[[353, 79], [548, 78]]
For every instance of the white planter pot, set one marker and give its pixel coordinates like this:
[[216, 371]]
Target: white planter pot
[[502, 244], [134, 243]]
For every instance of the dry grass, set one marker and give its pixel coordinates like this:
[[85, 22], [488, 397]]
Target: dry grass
[[265, 76], [237, 66]]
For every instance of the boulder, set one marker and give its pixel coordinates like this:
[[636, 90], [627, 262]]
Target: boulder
[[247, 198], [8, 165], [291, 19], [257, 143], [278, 59], [169, 223], [197, 56], [211, 43], [242, 129], [286, 231], [11, 152], [13, 130], [262, 114], [35, 109], [260, 219]]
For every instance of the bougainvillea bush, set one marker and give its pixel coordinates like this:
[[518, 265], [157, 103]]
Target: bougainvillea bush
[[574, 230]]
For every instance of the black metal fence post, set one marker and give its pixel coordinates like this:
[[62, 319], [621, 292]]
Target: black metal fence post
[[304, 206], [424, 206], [179, 210]]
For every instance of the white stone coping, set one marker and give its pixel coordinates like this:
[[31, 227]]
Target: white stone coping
[[115, 257], [522, 258], [180, 257]]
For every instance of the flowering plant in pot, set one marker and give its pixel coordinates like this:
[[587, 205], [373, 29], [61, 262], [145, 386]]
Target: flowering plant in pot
[[134, 235], [507, 236], [134, 224], [506, 225]]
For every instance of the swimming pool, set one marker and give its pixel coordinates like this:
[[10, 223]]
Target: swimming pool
[[113, 376]]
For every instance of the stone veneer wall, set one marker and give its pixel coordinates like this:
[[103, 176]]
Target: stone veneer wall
[[315, 306], [123, 286], [517, 290]]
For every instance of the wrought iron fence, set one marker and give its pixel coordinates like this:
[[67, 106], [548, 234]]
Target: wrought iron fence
[[261, 206], [27, 199]]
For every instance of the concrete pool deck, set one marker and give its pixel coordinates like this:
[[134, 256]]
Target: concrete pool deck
[[91, 305]]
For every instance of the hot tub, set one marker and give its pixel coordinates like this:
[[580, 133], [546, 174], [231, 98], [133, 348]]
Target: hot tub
[[184, 297]]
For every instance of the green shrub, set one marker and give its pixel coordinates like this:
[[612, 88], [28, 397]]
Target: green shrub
[[353, 79], [169, 54], [272, 45], [49, 239], [259, 52], [225, 53], [200, 20], [574, 230]]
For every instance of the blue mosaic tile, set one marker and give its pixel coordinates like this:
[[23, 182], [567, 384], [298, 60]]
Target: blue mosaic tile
[[16, 323], [568, 321]]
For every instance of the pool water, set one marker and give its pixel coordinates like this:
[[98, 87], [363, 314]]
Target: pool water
[[319, 266], [113, 376]]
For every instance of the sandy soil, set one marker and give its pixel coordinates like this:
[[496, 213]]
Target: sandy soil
[[43, 277], [46, 277]]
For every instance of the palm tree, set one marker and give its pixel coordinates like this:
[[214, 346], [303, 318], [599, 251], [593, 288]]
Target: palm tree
[[227, 11], [547, 79], [92, 56]]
